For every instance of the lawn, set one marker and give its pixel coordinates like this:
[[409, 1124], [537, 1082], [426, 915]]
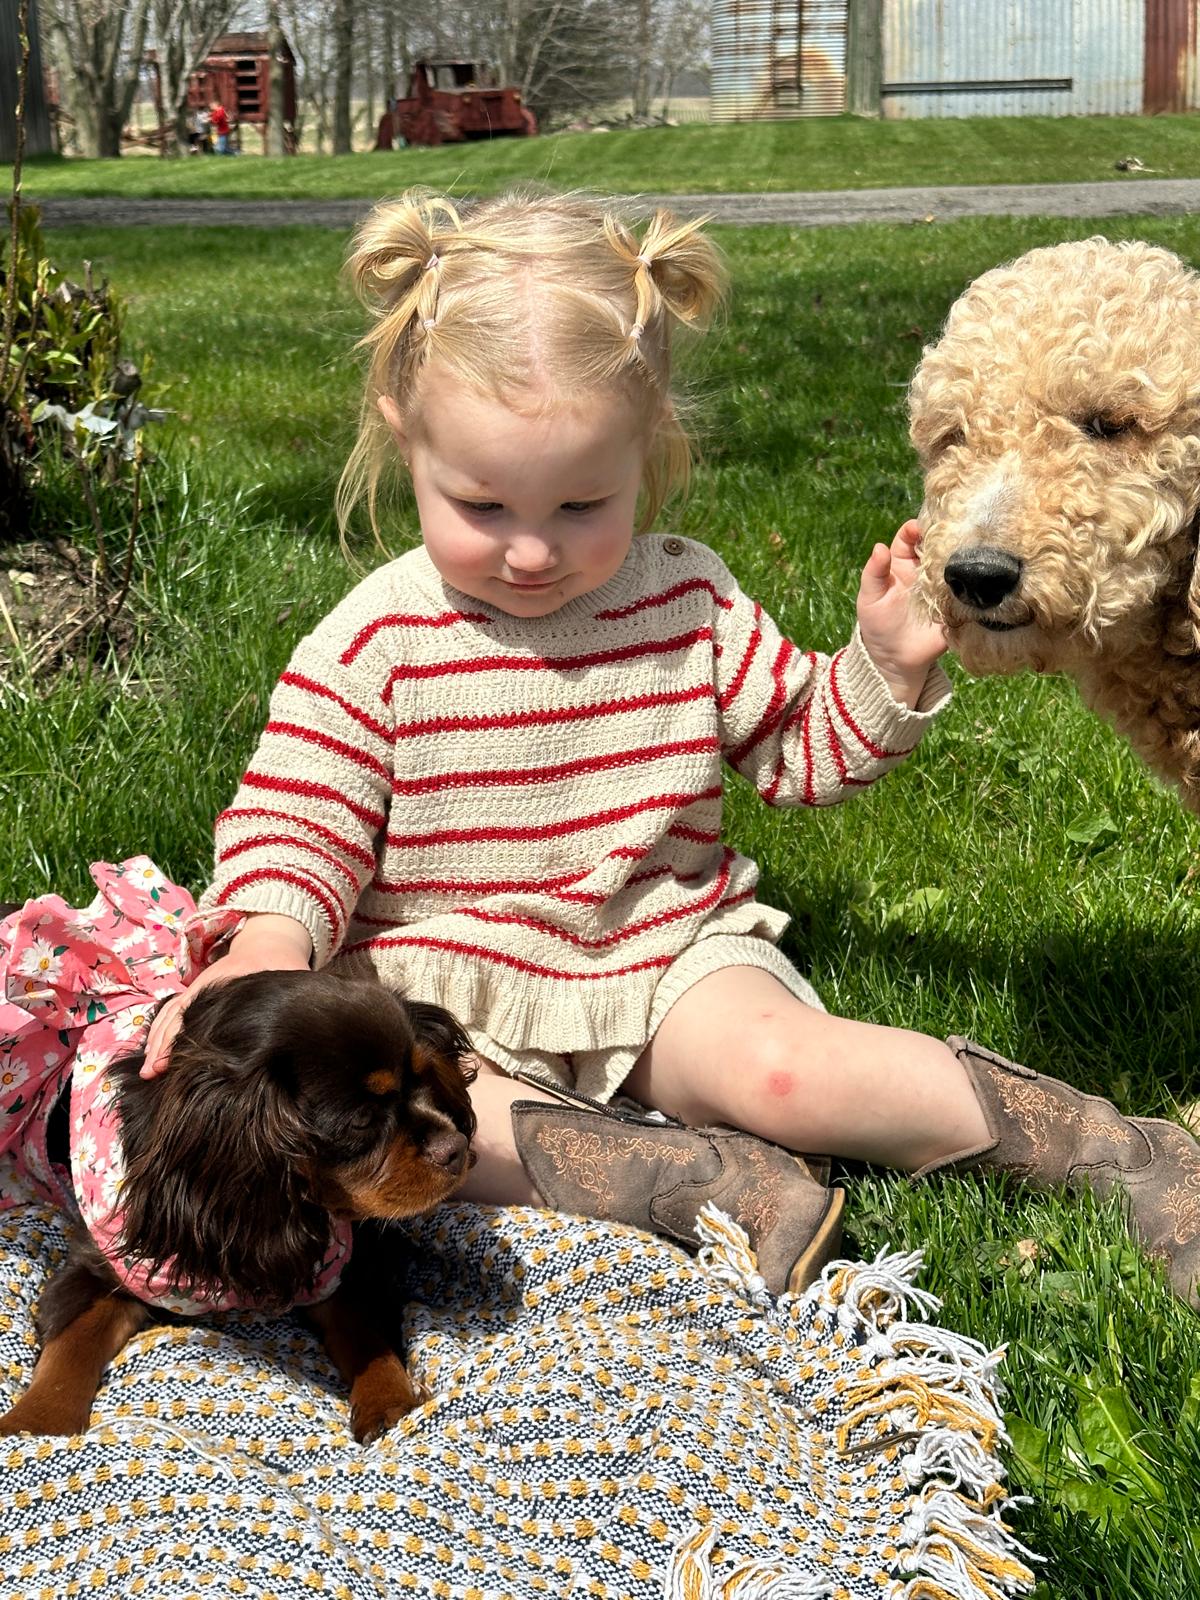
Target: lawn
[[1022, 879], [813, 153]]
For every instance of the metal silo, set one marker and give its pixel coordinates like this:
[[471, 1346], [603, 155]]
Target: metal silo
[[773, 60]]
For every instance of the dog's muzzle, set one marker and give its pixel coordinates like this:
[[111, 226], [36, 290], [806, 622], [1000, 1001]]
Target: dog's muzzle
[[982, 577]]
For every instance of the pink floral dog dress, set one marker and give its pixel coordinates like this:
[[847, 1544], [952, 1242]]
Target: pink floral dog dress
[[78, 990]]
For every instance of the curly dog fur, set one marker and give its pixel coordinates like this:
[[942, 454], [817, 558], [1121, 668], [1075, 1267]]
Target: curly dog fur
[[1057, 420]]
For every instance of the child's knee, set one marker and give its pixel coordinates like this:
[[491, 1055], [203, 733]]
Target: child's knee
[[766, 1081]]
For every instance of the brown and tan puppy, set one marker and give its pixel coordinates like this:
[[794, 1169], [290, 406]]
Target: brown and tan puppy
[[292, 1098], [1057, 420]]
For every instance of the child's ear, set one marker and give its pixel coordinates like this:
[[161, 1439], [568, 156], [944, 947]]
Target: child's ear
[[390, 412]]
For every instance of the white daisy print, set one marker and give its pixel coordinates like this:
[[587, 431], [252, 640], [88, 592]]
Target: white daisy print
[[90, 1061], [145, 874], [131, 1024], [41, 960], [83, 1157], [14, 1075], [109, 1188]]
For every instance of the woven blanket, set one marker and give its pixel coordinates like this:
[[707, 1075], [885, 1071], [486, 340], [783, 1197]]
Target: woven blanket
[[608, 1418]]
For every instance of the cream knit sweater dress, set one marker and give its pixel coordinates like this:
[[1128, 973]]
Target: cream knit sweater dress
[[521, 819]]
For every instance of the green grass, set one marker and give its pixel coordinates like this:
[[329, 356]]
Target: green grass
[[814, 153], [949, 898]]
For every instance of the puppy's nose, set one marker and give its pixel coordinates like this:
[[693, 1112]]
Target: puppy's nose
[[982, 576], [446, 1148]]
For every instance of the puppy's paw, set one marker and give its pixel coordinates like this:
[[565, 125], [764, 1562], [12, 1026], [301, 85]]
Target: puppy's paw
[[381, 1398], [35, 1415]]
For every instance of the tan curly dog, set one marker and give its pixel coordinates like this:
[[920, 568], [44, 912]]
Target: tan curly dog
[[1058, 423]]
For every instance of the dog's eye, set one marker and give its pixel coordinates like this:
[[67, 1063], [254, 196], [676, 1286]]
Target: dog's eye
[[1105, 427], [362, 1128]]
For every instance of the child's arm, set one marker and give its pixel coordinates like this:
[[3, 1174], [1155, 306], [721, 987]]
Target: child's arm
[[297, 843], [264, 943], [810, 729], [299, 839]]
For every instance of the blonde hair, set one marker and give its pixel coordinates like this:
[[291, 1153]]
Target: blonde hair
[[528, 291]]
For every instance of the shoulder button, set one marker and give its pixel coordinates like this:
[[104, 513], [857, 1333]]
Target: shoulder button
[[673, 547]]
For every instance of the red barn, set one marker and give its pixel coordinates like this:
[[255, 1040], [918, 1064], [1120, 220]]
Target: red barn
[[237, 72]]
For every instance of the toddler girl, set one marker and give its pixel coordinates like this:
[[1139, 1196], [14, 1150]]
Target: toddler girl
[[493, 773]]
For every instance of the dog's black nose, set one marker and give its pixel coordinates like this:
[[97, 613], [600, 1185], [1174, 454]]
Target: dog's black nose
[[446, 1148], [982, 576]]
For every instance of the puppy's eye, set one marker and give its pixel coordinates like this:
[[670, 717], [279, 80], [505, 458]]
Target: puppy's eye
[[1102, 426], [362, 1127]]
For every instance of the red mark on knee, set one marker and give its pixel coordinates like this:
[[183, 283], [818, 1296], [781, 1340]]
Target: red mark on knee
[[780, 1084]]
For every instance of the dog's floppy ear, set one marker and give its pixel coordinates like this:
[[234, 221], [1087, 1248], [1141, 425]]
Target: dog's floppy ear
[[437, 1032], [1193, 594], [217, 1193]]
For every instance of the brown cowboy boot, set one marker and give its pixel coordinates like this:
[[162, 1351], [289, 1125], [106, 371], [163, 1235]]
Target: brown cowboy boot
[[641, 1167], [1055, 1136]]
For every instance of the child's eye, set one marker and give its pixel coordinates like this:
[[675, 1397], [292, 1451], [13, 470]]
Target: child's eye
[[578, 507], [479, 508]]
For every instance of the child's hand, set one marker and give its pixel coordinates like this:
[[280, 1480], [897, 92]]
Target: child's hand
[[266, 943], [900, 643]]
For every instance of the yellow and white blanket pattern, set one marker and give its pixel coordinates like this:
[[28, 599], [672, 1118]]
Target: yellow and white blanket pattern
[[609, 1419]]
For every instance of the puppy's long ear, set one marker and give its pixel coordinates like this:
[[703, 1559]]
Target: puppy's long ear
[[1193, 594], [217, 1191], [438, 1032]]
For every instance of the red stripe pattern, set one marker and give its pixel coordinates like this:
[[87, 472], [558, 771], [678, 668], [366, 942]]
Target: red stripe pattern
[[523, 818]]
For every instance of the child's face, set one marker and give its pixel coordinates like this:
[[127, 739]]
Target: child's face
[[524, 510]]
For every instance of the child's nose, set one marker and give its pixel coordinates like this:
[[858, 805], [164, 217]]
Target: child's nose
[[530, 552]]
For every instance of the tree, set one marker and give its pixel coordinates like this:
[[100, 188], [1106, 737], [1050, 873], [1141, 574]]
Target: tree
[[563, 55], [309, 32], [681, 43], [98, 48], [643, 57], [276, 141], [184, 32], [343, 73]]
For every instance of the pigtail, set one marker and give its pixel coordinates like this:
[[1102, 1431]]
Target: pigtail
[[677, 271], [678, 276], [394, 267], [686, 268]]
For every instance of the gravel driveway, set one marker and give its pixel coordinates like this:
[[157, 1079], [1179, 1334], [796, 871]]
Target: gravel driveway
[[1152, 197]]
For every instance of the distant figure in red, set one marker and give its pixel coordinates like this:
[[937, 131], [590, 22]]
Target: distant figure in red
[[218, 121]]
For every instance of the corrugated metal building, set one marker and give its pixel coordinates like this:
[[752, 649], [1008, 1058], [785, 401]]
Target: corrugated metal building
[[777, 58], [38, 133], [960, 58]]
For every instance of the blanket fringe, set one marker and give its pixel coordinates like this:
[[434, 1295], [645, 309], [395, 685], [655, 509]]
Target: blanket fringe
[[692, 1577], [930, 1394]]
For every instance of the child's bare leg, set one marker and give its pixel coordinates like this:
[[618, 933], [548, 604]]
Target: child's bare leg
[[737, 1048], [498, 1178], [579, 1161]]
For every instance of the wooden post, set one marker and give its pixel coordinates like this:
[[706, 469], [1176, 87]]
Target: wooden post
[[864, 58]]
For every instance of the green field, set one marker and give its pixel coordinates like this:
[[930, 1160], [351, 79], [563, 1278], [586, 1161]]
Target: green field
[[814, 153], [1022, 879]]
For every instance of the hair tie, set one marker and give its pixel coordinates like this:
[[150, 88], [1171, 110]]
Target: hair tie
[[643, 259], [636, 331], [429, 322], [432, 262]]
